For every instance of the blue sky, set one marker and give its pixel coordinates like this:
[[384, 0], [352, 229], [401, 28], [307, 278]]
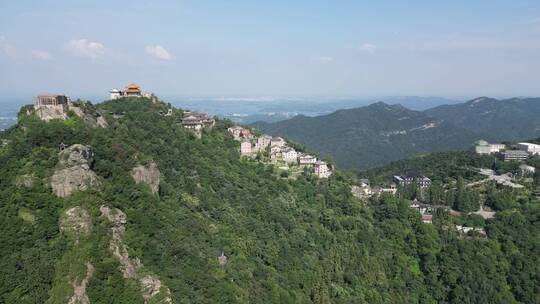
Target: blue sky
[[454, 49]]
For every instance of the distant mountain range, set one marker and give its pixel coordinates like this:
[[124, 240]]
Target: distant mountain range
[[377, 134], [507, 119]]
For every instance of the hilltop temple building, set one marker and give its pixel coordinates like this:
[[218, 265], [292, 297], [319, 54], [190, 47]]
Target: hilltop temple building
[[51, 100], [131, 90], [52, 106]]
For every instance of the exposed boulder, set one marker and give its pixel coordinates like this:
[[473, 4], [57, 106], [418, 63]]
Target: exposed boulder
[[73, 171], [76, 154], [89, 118], [25, 181], [76, 220], [114, 215], [148, 174], [150, 286], [79, 288], [102, 122]]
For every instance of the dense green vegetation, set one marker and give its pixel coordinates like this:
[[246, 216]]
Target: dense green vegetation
[[300, 240], [374, 135], [452, 171]]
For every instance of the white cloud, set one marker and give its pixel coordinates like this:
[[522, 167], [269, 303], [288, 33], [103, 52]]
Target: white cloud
[[158, 52], [6, 48], [39, 54], [368, 47], [323, 59], [85, 48]]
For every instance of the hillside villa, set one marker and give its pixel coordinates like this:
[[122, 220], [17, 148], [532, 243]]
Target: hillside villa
[[196, 121], [518, 155], [263, 142], [245, 148], [526, 169], [410, 177], [532, 149], [322, 170], [278, 142], [483, 147], [306, 159], [289, 154]]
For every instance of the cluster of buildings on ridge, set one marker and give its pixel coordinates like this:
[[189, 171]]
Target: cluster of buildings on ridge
[[523, 150], [279, 150], [56, 106]]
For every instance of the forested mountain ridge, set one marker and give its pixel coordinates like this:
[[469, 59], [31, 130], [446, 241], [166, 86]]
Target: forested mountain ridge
[[507, 119], [373, 135], [225, 229]]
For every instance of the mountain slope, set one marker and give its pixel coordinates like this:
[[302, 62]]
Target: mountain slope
[[373, 135], [220, 228], [508, 119]]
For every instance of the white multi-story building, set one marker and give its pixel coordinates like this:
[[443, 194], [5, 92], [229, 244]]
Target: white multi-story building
[[278, 142], [483, 147], [410, 177], [526, 169], [263, 141], [518, 155], [322, 170], [529, 148], [245, 148], [289, 155], [306, 159], [194, 120]]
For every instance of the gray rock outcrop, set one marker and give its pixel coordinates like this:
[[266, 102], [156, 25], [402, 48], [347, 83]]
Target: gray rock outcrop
[[48, 112], [79, 288], [25, 181], [148, 174], [87, 117], [60, 111], [128, 266], [151, 286], [76, 220], [73, 171]]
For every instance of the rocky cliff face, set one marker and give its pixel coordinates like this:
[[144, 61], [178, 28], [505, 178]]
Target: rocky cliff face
[[77, 221], [148, 174], [79, 288], [88, 118], [151, 287], [49, 112], [73, 171]]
